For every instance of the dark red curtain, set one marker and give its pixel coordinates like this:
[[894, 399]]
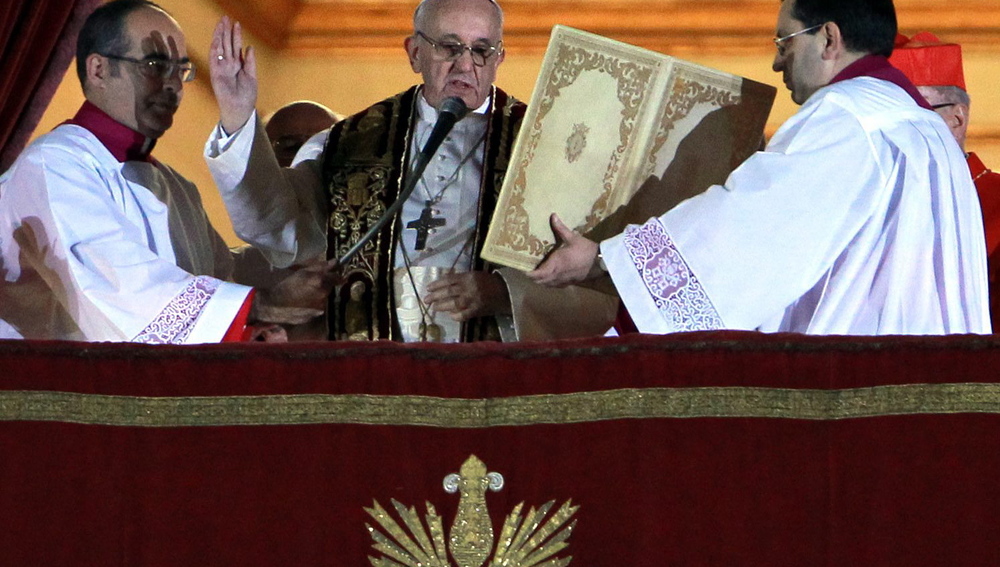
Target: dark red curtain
[[37, 43], [691, 450]]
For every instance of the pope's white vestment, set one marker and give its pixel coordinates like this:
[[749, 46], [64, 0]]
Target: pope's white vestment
[[860, 217], [95, 249]]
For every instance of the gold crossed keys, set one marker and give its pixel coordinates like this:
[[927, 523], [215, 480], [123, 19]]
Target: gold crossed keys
[[525, 541]]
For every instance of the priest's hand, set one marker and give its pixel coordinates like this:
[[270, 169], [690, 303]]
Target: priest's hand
[[300, 297], [573, 261], [233, 71], [469, 295]]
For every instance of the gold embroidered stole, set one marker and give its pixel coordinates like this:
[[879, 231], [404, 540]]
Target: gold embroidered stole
[[363, 167]]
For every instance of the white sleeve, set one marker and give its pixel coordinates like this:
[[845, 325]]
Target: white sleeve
[[280, 211], [783, 217], [540, 313], [738, 253], [75, 242]]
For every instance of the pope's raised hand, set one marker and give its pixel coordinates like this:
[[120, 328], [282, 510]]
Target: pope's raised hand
[[233, 70]]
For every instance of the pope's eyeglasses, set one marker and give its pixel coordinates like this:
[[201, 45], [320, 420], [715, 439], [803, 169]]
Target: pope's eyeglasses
[[452, 50]]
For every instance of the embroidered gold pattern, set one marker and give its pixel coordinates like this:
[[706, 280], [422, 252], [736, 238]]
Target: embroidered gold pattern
[[357, 191], [632, 79], [686, 95], [579, 407], [360, 206], [577, 142], [528, 541], [472, 531]]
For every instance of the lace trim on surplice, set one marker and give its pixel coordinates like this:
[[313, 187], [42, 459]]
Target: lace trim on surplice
[[677, 292], [175, 322]]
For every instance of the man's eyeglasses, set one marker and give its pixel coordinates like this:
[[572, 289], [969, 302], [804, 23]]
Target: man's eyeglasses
[[159, 68], [779, 42], [452, 50]]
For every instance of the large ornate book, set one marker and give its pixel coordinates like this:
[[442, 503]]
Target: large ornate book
[[615, 134]]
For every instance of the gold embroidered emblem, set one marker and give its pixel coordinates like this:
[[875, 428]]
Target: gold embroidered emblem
[[576, 142], [357, 189], [528, 541], [372, 120]]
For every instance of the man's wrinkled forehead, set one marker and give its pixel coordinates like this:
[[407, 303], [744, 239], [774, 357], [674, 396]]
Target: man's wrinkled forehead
[[458, 38], [933, 95]]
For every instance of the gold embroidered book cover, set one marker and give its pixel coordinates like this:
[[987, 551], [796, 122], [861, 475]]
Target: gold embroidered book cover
[[615, 134]]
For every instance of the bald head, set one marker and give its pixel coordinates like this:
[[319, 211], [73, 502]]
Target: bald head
[[293, 124], [428, 11]]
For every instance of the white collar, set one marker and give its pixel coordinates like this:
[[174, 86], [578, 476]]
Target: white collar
[[428, 113]]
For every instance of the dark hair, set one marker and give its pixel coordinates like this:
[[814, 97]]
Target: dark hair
[[868, 26], [104, 32]]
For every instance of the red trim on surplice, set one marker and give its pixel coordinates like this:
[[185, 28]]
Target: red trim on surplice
[[240, 331]]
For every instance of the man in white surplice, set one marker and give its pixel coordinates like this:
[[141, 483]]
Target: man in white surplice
[[858, 218], [99, 241]]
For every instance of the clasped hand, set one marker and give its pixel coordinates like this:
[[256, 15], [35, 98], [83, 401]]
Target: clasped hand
[[469, 295], [298, 298]]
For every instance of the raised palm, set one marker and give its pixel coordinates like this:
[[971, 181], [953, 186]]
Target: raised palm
[[233, 71]]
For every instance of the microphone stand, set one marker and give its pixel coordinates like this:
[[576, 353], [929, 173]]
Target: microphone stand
[[452, 110]]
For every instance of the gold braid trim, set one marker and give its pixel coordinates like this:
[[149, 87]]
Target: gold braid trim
[[580, 407]]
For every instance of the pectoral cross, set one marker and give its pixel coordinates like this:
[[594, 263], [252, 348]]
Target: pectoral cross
[[424, 224]]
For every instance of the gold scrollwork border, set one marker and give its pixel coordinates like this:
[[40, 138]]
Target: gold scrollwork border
[[579, 407], [687, 94], [632, 80]]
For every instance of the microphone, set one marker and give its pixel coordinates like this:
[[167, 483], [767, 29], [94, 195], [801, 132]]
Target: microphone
[[452, 110]]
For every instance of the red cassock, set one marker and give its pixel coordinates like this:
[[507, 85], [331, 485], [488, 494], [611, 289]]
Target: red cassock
[[988, 187]]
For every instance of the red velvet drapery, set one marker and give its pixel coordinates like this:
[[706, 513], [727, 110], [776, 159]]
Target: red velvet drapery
[[37, 43], [697, 449]]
